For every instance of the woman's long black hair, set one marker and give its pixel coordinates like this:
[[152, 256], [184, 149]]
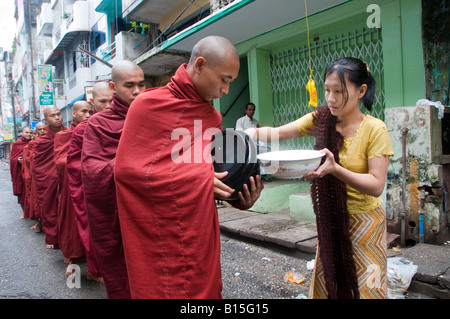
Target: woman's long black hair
[[356, 72]]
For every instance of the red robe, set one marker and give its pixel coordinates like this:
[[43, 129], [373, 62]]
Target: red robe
[[16, 169], [46, 179], [28, 208], [34, 209], [76, 193], [101, 137], [68, 237], [167, 211]]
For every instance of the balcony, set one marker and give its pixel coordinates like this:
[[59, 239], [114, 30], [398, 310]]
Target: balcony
[[44, 21], [157, 11], [77, 21]]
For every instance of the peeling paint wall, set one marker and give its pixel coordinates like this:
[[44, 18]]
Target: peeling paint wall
[[425, 168]]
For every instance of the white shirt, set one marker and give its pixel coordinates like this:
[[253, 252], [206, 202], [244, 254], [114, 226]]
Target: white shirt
[[245, 122]]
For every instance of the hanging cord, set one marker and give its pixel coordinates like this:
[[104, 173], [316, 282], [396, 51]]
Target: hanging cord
[[311, 85]]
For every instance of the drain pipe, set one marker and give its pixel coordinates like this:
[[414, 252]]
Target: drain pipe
[[403, 214], [421, 212]]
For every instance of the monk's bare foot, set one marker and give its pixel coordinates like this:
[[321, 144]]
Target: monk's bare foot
[[34, 226], [38, 227], [69, 270], [50, 246], [96, 279]]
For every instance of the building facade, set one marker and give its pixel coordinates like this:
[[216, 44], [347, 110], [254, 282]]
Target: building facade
[[404, 42]]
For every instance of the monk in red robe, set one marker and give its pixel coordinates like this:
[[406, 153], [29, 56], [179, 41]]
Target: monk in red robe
[[46, 179], [31, 206], [68, 237], [15, 162], [101, 137], [167, 210], [26, 173], [101, 100]]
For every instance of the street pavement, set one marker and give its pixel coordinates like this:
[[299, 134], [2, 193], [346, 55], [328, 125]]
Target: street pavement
[[432, 279], [250, 270], [258, 250]]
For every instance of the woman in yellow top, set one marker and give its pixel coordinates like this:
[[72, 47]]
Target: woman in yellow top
[[346, 188]]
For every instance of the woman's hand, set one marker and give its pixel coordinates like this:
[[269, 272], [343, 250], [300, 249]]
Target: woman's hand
[[328, 167], [252, 133]]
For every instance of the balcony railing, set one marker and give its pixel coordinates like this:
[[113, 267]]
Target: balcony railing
[[44, 21], [74, 22], [109, 52], [219, 4]]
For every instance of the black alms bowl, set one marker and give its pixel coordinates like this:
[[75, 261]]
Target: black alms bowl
[[234, 152]]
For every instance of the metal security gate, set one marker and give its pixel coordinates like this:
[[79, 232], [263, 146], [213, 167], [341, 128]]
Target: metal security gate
[[290, 73]]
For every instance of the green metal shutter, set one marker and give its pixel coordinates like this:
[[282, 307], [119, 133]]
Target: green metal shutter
[[289, 71]]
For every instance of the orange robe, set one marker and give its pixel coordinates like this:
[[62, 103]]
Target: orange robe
[[167, 211], [68, 237]]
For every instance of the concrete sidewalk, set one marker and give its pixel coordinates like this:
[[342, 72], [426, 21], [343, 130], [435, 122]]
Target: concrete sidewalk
[[433, 275]]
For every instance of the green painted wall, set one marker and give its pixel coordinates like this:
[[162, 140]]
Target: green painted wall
[[401, 26], [403, 56]]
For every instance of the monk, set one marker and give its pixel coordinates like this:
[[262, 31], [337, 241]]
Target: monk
[[101, 137], [167, 210], [26, 174], [45, 175], [31, 207], [101, 100], [68, 237], [15, 162]]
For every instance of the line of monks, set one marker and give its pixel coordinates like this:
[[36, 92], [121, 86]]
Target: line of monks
[[107, 188], [46, 191]]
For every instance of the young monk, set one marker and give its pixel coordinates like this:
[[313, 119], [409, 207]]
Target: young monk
[[101, 100], [44, 171], [101, 137], [167, 209], [68, 237], [15, 162], [31, 207], [26, 173]]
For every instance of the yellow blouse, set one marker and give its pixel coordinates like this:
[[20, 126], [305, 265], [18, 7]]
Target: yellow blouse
[[371, 140]]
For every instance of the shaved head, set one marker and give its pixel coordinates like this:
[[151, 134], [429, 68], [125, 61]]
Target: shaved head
[[101, 96], [127, 80], [81, 110], [49, 110], [100, 86], [213, 65], [123, 67], [78, 105], [53, 118], [214, 49], [40, 128], [26, 133]]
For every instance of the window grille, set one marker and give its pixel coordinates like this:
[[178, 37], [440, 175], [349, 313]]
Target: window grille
[[289, 71]]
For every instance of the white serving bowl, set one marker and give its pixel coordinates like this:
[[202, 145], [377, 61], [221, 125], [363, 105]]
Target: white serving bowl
[[290, 164]]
